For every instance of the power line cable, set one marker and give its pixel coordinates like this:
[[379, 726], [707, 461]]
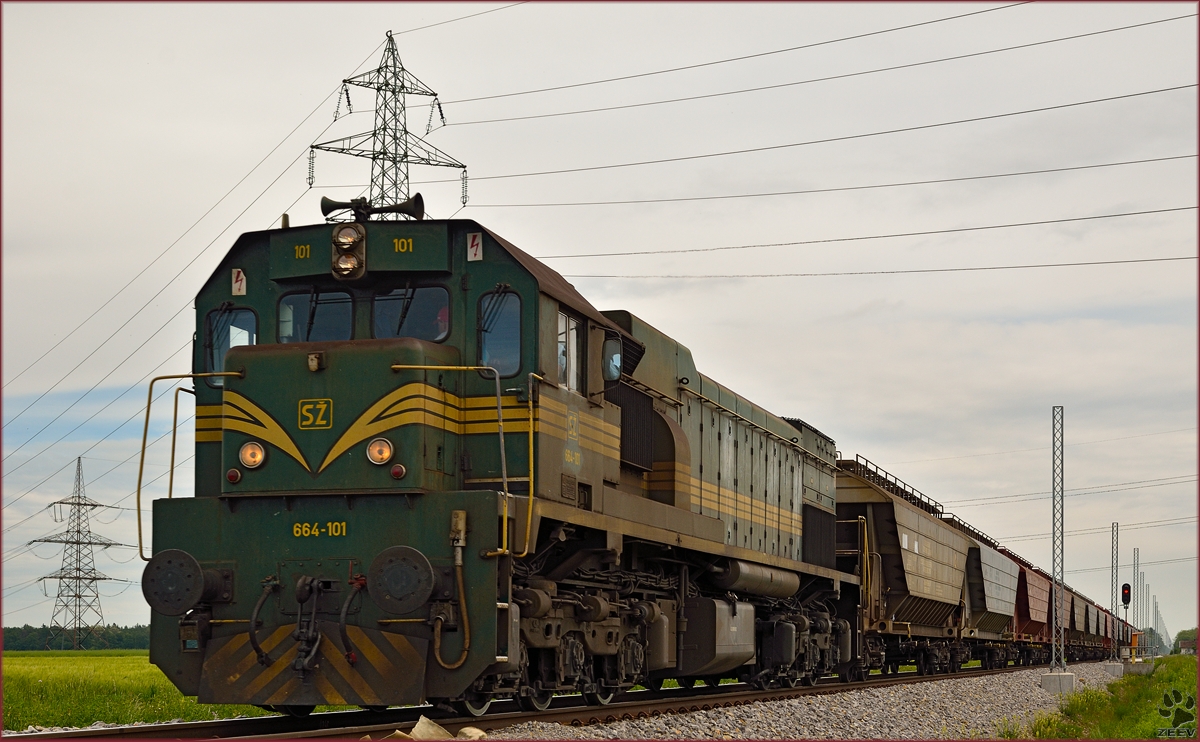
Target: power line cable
[[826, 140], [1189, 477], [34, 605], [1044, 448], [1127, 566], [815, 79], [728, 59], [886, 273], [455, 20], [128, 357], [806, 191], [1075, 494], [1106, 529], [89, 448], [892, 235]]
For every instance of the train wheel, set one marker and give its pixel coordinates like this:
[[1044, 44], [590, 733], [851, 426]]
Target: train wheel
[[473, 704], [535, 701], [686, 683], [654, 685], [603, 697], [789, 681], [808, 679], [297, 711], [712, 681], [924, 665]]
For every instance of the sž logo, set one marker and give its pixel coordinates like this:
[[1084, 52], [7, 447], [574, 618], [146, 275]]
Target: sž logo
[[1179, 711]]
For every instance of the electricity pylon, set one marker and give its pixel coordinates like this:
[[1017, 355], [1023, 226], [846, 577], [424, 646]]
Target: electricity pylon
[[390, 146], [78, 618]]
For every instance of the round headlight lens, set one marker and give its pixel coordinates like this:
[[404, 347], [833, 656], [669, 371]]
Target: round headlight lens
[[252, 455], [379, 451], [346, 264], [345, 237]]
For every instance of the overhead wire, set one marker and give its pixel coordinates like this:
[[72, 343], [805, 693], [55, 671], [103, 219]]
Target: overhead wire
[[1127, 566], [1172, 479], [881, 272], [837, 189], [827, 78], [128, 357], [12, 501], [1009, 501], [727, 60], [1045, 448], [824, 140], [1166, 522], [861, 238]]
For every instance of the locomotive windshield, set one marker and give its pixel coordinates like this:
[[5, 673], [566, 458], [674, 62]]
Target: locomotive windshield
[[315, 316], [422, 313]]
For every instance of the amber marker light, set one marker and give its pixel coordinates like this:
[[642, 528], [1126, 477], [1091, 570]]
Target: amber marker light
[[379, 451], [252, 455]]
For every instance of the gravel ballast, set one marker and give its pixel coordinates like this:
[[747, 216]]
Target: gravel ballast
[[955, 708]]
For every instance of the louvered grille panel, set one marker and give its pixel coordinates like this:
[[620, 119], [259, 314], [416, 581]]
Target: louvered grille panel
[[819, 537], [637, 425]]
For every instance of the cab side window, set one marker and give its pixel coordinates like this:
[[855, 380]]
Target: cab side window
[[570, 352], [227, 328], [500, 331]]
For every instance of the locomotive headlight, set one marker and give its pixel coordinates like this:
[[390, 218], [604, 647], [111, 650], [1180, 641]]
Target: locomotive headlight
[[379, 451], [346, 264], [346, 236], [252, 455]]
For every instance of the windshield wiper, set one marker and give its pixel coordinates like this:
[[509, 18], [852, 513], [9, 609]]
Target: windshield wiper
[[408, 300], [491, 311], [312, 312]]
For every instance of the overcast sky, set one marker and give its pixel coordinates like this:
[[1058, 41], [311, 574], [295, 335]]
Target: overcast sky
[[859, 140]]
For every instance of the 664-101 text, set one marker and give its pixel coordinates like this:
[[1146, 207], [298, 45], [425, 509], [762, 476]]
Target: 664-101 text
[[331, 528]]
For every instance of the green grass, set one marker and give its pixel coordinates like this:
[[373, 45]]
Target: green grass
[[1127, 710], [77, 688]]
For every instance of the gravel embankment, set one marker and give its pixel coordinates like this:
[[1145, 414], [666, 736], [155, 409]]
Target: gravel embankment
[[947, 709]]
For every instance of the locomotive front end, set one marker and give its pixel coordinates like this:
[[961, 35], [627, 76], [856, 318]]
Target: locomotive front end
[[345, 545]]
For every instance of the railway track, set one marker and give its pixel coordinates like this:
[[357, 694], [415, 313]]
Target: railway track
[[564, 710]]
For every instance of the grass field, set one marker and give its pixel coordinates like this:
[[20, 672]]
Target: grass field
[[75, 689], [1129, 709]]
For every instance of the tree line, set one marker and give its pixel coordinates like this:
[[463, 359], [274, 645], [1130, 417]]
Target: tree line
[[108, 637]]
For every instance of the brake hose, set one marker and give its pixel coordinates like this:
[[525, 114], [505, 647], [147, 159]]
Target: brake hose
[[359, 583], [437, 622], [269, 586]]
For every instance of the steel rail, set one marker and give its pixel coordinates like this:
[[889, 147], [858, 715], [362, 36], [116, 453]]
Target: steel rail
[[567, 709]]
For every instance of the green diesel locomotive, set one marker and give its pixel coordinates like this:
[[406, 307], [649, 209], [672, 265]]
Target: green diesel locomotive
[[427, 468]]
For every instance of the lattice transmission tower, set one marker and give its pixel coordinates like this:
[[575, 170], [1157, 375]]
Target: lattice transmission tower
[[1058, 660], [78, 620], [390, 146]]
